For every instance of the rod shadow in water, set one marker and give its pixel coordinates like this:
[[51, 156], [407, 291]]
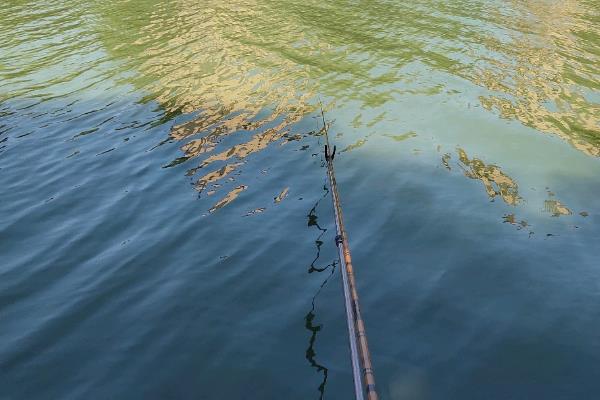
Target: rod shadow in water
[[309, 319]]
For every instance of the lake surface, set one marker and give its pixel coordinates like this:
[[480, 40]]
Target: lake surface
[[166, 229]]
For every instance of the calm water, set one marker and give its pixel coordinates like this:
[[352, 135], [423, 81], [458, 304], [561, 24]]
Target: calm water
[[166, 232]]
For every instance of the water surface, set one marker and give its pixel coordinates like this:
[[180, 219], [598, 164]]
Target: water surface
[[166, 228]]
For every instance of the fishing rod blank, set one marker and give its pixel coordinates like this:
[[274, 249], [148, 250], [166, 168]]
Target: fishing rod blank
[[359, 347]]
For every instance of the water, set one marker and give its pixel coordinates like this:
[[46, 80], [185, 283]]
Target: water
[[166, 232]]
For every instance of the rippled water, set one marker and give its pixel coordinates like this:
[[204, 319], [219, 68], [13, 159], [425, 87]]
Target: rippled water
[[166, 230]]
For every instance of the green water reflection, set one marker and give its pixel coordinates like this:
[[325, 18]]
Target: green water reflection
[[535, 63]]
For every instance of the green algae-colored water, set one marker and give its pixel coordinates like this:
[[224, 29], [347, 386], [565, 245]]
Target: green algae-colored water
[[166, 231]]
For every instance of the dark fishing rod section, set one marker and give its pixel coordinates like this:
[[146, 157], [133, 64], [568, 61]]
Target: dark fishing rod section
[[362, 368]]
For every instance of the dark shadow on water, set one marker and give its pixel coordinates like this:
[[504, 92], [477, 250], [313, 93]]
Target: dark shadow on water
[[313, 221], [309, 319], [314, 329]]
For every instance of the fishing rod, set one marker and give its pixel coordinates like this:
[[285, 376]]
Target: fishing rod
[[359, 347]]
